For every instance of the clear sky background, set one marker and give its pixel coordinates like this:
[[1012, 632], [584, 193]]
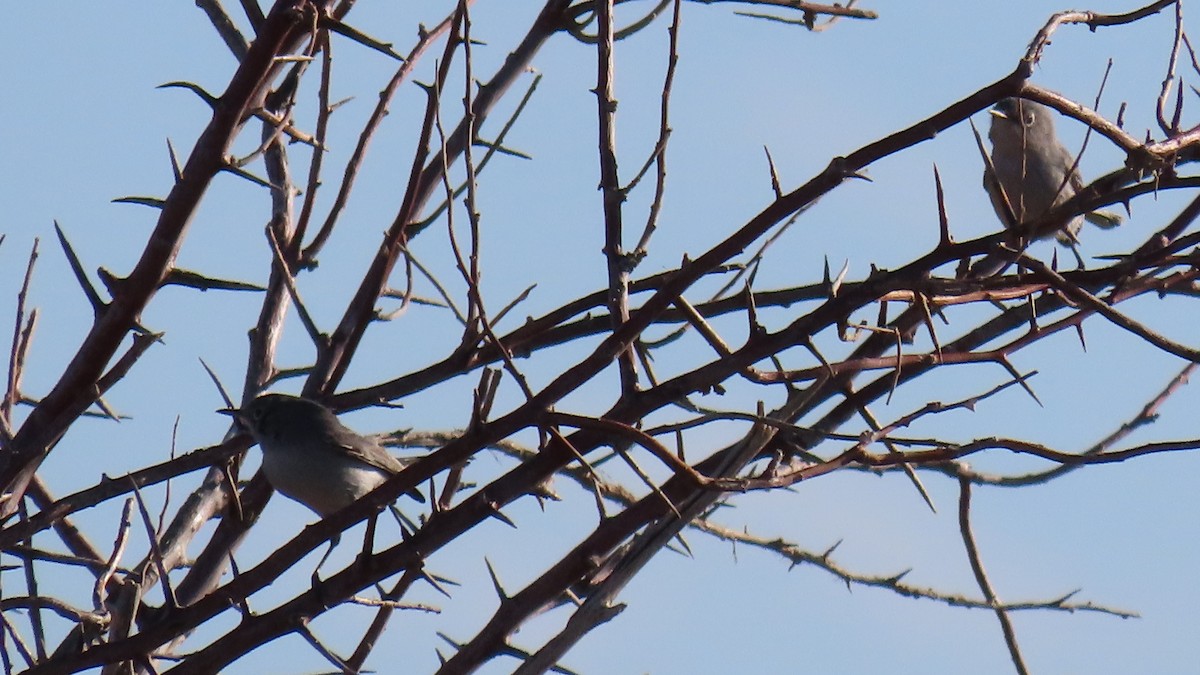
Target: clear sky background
[[82, 124]]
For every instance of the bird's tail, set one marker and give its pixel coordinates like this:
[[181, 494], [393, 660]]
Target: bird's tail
[[1104, 219]]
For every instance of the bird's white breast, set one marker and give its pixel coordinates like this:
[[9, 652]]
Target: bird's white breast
[[320, 479]]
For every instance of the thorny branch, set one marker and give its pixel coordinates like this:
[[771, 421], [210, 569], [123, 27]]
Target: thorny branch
[[806, 436]]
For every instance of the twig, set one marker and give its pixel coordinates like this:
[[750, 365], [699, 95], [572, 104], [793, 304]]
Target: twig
[[964, 527]]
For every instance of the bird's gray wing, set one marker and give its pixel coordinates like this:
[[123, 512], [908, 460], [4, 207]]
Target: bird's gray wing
[[371, 453], [1102, 219]]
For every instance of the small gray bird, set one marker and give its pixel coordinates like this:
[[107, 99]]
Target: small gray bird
[[1036, 172], [310, 456]]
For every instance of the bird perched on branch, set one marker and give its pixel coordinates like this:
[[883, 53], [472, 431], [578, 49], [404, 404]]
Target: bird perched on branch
[[1034, 171], [310, 456]]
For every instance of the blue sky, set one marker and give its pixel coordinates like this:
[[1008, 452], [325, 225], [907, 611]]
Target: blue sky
[[84, 124]]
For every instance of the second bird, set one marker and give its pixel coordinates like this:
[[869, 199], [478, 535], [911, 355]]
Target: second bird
[[1035, 170]]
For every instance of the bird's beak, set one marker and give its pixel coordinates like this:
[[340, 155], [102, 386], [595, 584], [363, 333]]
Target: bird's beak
[[232, 412], [239, 420], [997, 113]]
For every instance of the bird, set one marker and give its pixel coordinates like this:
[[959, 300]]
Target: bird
[[311, 457], [1036, 172]]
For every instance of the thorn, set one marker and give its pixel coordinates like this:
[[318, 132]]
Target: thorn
[[829, 551], [456, 645], [194, 88], [756, 328], [495, 513], [774, 174], [944, 239], [175, 169], [361, 38], [407, 526], [1063, 600], [89, 291], [1007, 214], [238, 171], [182, 277], [837, 283], [1178, 110], [433, 581], [152, 202], [1021, 379], [500, 592], [687, 550]]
